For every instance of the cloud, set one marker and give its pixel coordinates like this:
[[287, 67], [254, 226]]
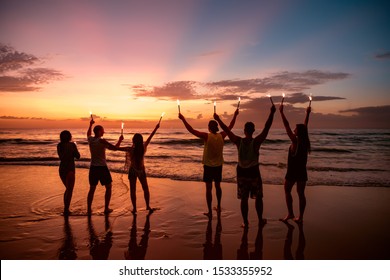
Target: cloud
[[13, 60], [230, 89], [383, 111], [384, 55], [13, 118], [173, 90], [286, 81], [299, 98], [16, 74]]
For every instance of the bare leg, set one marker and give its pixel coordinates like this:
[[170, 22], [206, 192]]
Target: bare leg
[[244, 211], [107, 199], [209, 198], [218, 191], [302, 200], [145, 187], [133, 196], [259, 210], [69, 184], [289, 200], [90, 198]]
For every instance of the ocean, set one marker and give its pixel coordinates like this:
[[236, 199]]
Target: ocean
[[347, 157]]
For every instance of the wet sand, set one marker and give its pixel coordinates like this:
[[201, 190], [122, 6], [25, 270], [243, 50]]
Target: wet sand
[[340, 222]]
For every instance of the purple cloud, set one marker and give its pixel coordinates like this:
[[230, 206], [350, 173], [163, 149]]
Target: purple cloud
[[17, 75]]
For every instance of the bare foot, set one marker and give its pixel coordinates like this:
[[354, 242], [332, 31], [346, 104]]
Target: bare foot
[[288, 217], [208, 214], [298, 220], [134, 211], [245, 225], [218, 209], [108, 211]]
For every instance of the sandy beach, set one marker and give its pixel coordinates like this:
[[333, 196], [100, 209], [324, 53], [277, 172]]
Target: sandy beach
[[340, 222]]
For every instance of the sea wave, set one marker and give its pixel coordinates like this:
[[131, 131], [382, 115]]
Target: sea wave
[[332, 150], [20, 141]]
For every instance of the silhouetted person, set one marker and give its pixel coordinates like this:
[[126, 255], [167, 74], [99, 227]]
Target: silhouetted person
[[213, 251], [99, 248], [137, 251], [212, 158], [136, 155], [98, 170], [296, 165], [68, 248], [67, 152], [249, 182]]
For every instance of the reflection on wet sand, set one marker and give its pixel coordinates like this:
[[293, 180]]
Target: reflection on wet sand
[[213, 251], [99, 247], [68, 249], [137, 251], [287, 250], [243, 252]]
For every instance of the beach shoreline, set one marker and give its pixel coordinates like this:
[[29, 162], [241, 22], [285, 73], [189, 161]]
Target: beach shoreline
[[340, 223]]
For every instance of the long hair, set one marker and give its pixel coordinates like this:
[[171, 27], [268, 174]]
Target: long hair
[[303, 137], [139, 150]]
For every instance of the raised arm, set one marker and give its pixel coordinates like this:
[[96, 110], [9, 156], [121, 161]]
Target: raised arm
[[308, 111], [234, 138], [232, 123], [115, 147], [263, 135], [151, 135], [287, 125], [89, 132], [195, 132]]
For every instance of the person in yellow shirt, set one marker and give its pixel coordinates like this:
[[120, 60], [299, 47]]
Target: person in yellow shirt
[[212, 158]]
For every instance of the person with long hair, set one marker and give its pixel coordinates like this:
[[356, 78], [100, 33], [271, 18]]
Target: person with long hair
[[67, 152], [296, 164], [249, 182], [135, 154], [212, 158]]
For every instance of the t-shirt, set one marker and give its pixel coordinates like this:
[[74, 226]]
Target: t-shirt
[[247, 156], [213, 150], [98, 151]]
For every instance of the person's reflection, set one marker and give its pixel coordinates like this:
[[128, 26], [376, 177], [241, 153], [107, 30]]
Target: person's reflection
[[243, 252], [213, 251], [287, 252], [99, 248], [137, 251], [68, 248]]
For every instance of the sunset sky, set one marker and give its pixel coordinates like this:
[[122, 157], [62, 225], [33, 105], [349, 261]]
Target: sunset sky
[[131, 60]]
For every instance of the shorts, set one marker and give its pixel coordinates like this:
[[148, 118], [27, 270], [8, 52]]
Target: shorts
[[64, 174], [99, 173], [249, 183], [134, 174], [296, 175], [212, 174]]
